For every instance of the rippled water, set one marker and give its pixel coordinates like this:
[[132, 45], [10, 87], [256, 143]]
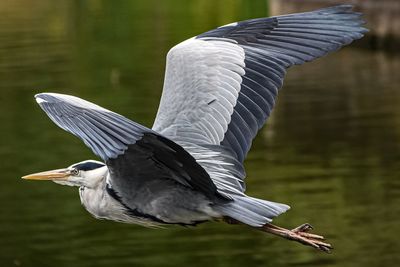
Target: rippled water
[[330, 150]]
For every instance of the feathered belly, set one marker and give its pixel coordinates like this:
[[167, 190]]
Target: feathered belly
[[102, 206], [165, 210]]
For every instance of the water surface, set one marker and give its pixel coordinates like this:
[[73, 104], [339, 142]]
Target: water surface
[[330, 150]]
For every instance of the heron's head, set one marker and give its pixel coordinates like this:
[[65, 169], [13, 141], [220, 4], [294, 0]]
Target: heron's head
[[87, 173]]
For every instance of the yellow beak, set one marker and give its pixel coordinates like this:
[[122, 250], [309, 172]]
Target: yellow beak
[[59, 174]]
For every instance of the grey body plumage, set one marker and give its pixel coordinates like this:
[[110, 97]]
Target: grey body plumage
[[219, 89]]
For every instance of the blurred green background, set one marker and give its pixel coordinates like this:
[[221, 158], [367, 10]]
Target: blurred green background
[[330, 150]]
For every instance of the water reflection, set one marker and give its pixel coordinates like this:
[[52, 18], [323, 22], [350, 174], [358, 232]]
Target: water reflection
[[330, 149]]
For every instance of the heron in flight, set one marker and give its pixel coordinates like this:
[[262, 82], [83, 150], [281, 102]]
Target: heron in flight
[[219, 89]]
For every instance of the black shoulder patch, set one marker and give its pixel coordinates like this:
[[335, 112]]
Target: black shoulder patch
[[87, 166]]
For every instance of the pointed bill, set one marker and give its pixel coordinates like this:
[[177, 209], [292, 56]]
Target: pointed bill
[[59, 174]]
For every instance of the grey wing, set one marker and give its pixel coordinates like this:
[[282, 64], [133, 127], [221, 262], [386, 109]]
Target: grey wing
[[108, 134], [135, 155], [220, 86]]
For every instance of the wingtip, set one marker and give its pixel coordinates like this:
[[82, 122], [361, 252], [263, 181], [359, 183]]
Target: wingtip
[[337, 9], [49, 97], [41, 97], [364, 30], [346, 7]]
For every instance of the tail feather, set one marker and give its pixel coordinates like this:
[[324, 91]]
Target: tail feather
[[252, 211]]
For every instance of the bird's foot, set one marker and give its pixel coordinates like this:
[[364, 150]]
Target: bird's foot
[[300, 234]]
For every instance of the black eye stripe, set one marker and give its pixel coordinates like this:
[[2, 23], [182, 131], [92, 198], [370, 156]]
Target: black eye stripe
[[87, 166]]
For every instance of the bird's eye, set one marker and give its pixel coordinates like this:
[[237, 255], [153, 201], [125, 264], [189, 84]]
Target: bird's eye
[[75, 172]]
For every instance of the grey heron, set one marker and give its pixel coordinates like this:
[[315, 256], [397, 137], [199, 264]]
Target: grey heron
[[219, 89]]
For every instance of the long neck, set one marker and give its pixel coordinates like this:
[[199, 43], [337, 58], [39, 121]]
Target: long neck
[[93, 197]]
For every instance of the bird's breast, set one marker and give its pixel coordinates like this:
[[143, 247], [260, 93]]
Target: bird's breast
[[103, 206]]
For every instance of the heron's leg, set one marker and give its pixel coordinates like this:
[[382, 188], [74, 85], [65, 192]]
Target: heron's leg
[[301, 230], [299, 234]]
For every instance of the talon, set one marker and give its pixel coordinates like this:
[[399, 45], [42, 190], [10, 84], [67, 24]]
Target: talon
[[323, 244], [311, 236], [303, 228], [300, 234], [325, 249], [308, 239]]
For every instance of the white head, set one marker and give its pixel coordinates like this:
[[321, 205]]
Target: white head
[[88, 173]]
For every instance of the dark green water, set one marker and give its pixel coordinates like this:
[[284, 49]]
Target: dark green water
[[330, 150]]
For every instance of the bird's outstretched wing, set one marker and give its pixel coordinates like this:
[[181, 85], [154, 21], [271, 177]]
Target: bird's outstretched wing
[[220, 86], [134, 154]]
